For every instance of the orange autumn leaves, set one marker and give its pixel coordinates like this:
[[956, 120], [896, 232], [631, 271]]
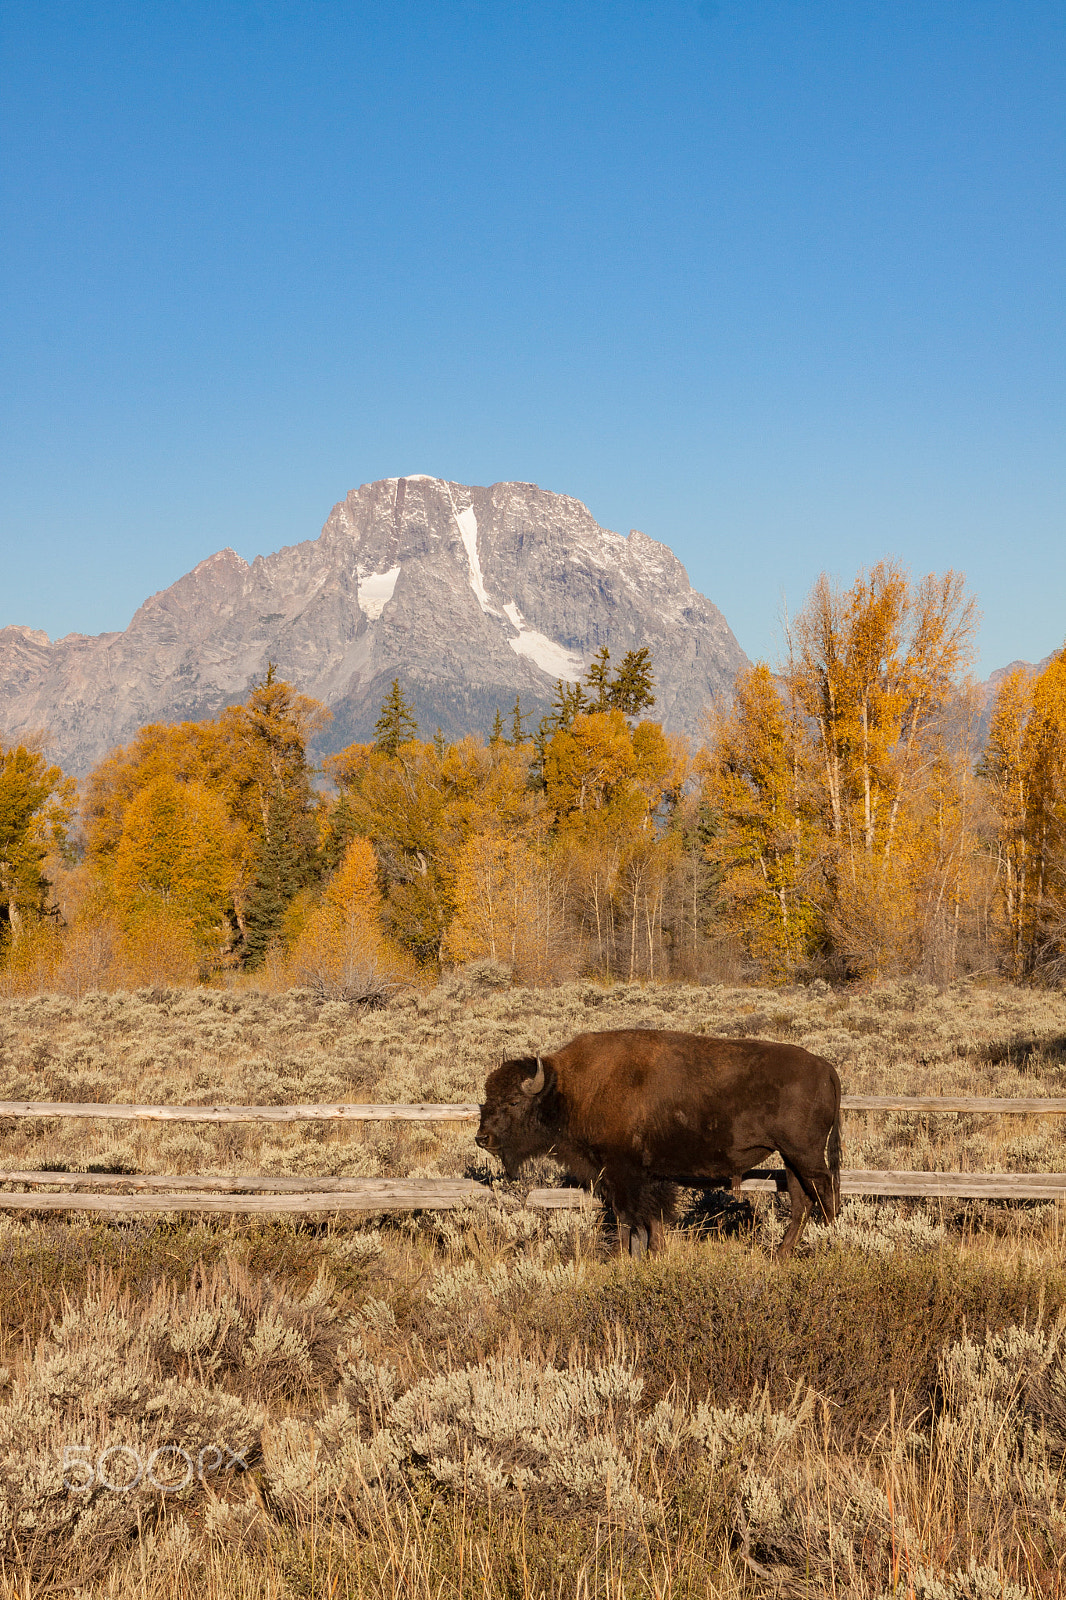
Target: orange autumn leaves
[[341, 948], [1024, 766], [850, 826], [837, 820], [482, 849]]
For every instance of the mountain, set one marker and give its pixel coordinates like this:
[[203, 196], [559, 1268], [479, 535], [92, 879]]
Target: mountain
[[469, 596], [990, 687]]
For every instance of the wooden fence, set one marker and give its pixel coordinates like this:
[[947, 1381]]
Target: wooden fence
[[250, 1193], [341, 1111]]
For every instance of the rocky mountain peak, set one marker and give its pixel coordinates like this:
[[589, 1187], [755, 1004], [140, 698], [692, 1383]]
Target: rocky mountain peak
[[469, 595]]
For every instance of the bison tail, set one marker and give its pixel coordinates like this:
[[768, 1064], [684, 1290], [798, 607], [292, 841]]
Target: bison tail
[[833, 1153]]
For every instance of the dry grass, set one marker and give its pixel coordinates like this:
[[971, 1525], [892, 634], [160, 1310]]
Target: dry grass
[[490, 1403]]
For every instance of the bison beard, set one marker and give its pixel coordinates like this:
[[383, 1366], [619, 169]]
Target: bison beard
[[634, 1113]]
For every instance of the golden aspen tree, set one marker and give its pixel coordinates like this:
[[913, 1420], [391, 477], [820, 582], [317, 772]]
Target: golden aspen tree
[[1024, 765], [1004, 770], [1046, 761], [941, 849], [342, 949], [186, 753], [255, 758], [36, 807], [507, 904], [1047, 740], [420, 808], [157, 949], [175, 852], [876, 668], [589, 766], [605, 783], [591, 867], [644, 875], [764, 825]]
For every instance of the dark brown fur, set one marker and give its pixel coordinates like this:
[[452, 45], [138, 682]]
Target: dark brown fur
[[638, 1111]]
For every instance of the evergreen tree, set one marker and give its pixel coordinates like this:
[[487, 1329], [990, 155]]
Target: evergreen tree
[[598, 679], [541, 738], [631, 688], [282, 869], [277, 722], [496, 736], [568, 702], [517, 736], [341, 828], [397, 723]]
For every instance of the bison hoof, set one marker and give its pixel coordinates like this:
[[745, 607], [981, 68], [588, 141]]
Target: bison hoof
[[638, 1242]]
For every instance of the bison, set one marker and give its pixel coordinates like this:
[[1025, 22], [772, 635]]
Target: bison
[[635, 1112]]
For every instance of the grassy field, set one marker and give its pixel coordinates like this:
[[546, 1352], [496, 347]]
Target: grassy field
[[492, 1403]]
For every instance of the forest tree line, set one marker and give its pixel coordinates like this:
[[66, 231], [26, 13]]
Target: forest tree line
[[842, 818]]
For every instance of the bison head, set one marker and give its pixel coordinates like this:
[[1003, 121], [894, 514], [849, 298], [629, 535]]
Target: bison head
[[514, 1124]]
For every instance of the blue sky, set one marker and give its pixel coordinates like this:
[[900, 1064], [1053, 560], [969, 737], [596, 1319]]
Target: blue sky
[[779, 283]]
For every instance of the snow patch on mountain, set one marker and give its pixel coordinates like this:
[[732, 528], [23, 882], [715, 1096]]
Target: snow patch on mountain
[[375, 592], [554, 659], [467, 521]]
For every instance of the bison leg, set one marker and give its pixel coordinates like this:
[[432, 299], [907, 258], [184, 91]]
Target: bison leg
[[640, 1223], [827, 1205], [638, 1241], [656, 1234], [632, 1239], [802, 1206]]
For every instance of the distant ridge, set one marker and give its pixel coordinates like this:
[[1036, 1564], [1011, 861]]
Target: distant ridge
[[992, 684], [988, 690], [469, 596]]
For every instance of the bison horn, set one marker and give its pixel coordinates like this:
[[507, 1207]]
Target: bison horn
[[534, 1085]]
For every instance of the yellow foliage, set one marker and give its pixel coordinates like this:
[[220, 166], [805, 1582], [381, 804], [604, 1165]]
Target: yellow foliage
[[90, 954], [178, 849], [342, 944], [353, 888], [758, 784], [32, 959], [252, 760], [158, 948], [507, 905], [1025, 766], [589, 766], [36, 804], [878, 671], [875, 669], [842, 793], [420, 808], [610, 788]]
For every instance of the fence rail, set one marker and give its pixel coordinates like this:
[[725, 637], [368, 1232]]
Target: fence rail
[[365, 1194], [238, 1195], [263, 1192], [337, 1112], [1035, 1106], [428, 1112], [890, 1185]]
